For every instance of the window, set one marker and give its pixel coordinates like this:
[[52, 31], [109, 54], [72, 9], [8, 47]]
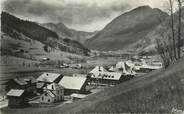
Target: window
[[45, 94], [112, 76], [48, 100], [42, 98], [58, 91]]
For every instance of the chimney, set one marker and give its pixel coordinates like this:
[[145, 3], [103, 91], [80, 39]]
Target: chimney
[[52, 87], [29, 81], [99, 69]]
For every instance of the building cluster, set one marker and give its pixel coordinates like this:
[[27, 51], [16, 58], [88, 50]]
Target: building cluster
[[54, 87], [47, 88], [122, 71]]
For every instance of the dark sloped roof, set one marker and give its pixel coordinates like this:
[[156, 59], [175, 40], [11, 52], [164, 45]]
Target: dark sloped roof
[[24, 80], [20, 81]]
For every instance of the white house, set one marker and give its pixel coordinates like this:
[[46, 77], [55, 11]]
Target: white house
[[52, 93]]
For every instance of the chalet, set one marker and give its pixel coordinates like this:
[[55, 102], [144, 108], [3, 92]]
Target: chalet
[[49, 78], [25, 83], [52, 93], [16, 98], [73, 84]]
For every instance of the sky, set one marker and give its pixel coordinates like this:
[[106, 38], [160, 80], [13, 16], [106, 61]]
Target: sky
[[84, 15]]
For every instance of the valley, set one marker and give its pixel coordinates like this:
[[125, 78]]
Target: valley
[[129, 65]]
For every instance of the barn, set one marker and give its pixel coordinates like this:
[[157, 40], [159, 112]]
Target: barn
[[73, 84]]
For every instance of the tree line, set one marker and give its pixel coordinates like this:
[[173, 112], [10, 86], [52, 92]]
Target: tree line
[[170, 42]]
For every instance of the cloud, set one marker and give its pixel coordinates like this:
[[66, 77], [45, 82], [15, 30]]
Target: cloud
[[87, 15]]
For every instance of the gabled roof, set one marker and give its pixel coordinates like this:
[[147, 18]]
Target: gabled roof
[[75, 83], [112, 68], [20, 81], [108, 75], [48, 77], [15, 92], [54, 86], [50, 93], [98, 69]]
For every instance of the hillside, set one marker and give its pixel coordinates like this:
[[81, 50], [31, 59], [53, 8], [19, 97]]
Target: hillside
[[127, 30], [164, 29], [158, 91], [72, 34], [22, 47], [18, 29]]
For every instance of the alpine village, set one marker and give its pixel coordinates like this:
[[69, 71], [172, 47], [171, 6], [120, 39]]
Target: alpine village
[[133, 64]]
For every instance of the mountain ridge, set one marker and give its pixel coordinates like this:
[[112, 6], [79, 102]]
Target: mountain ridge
[[126, 29], [62, 30], [10, 24]]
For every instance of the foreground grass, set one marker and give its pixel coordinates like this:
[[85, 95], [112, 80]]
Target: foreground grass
[[157, 92], [160, 96]]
